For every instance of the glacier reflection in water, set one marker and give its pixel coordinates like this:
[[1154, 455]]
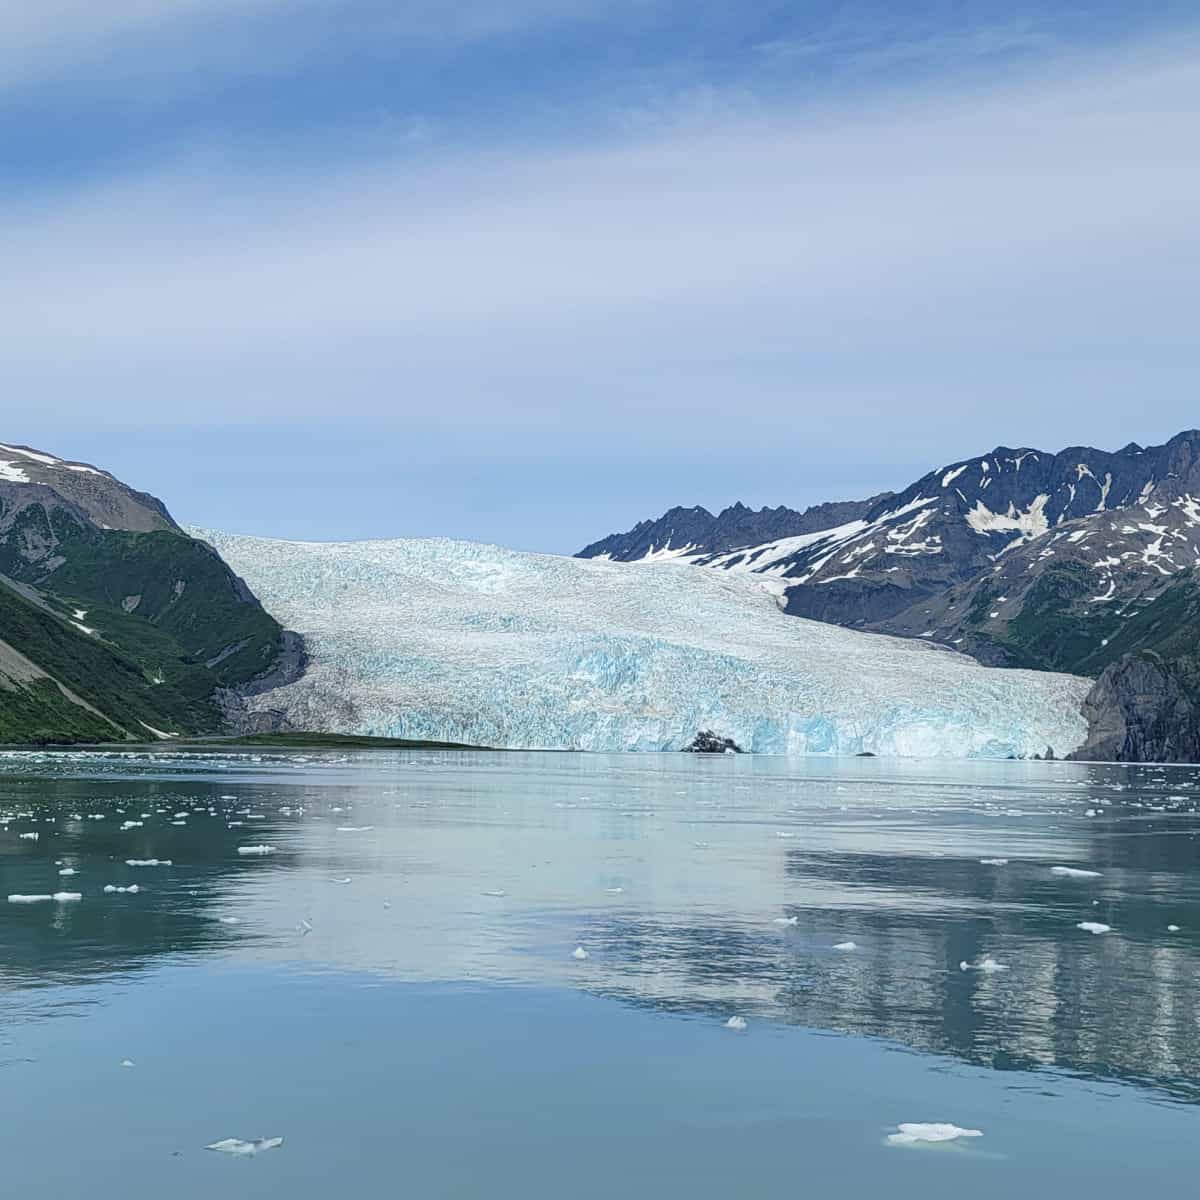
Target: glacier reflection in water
[[857, 897]]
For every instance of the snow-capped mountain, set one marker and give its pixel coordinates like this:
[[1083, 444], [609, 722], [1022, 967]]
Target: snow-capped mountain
[[690, 532], [458, 642], [1070, 561], [31, 478], [1007, 513]]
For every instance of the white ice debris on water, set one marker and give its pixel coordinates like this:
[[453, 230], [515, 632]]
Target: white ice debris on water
[[256, 849], [987, 964], [245, 1148], [846, 947], [18, 898], [148, 862], [1094, 927], [738, 1023], [579, 953], [128, 1063], [1074, 873], [787, 920], [453, 641], [912, 1133], [1172, 928], [68, 871], [994, 862], [111, 889], [355, 828]]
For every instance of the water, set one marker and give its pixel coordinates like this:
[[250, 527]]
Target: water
[[394, 991]]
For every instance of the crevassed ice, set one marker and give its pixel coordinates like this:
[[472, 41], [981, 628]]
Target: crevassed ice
[[455, 641]]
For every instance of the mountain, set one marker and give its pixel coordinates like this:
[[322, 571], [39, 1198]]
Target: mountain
[[456, 642], [689, 531], [1017, 557], [115, 623]]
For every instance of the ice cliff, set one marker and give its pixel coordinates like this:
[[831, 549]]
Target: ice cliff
[[432, 638]]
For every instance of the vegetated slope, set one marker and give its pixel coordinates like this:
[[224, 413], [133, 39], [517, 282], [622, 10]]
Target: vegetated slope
[[102, 592], [456, 642]]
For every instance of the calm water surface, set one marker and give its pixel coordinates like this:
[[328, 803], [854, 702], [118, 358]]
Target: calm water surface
[[394, 989]]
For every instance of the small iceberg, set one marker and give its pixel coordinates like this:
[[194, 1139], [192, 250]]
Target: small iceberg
[[913, 1133], [988, 965], [112, 889], [994, 862], [580, 953], [496, 894], [846, 947], [355, 828], [1172, 928], [1074, 873], [256, 849], [787, 920], [17, 898], [1094, 927], [738, 1023], [68, 871], [243, 1148], [67, 897]]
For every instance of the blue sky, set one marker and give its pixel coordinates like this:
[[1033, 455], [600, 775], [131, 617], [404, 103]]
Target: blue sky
[[527, 271]]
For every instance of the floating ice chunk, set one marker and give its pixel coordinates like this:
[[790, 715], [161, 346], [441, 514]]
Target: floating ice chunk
[[783, 833], [738, 1023], [787, 920], [912, 1133], [256, 849], [1092, 812], [148, 862], [496, 894], [994, 862], [1094, 927], [181, 816], [17, 898], [29, 837], [127, 1063], [305, 926], [244, 1148], [346, 879], [355, 828], [845, 947], [112, 889], [228, 797], [1074, 873], [67, 897], [579, 953], [131, 824], [68, 871], [1172, 928], [179, 823], [987, 964], [230, 920]]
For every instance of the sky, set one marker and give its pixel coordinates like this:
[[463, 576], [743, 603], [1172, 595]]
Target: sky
[[527, 272]]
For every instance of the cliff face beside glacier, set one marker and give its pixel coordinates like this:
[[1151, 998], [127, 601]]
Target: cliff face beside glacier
[[457, 642]]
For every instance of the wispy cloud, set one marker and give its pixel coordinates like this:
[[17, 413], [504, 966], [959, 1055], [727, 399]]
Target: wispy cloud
[[963, 269]]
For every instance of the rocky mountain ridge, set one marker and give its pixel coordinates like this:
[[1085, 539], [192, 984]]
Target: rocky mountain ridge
[[1017, 557]]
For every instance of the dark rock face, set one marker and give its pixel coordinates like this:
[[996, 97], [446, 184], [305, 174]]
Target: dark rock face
[[1144, 709], [707, 742]]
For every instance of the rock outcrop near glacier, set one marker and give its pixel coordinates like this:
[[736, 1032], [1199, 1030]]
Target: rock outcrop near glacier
[[459, 642]]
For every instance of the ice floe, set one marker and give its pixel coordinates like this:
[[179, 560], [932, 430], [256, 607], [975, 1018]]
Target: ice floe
[[245, 1148], [911, 1133]]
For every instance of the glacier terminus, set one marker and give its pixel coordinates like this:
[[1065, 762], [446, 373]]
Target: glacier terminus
[[460, 642]]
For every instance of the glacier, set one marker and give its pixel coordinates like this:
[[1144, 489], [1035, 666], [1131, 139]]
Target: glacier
[[454, 641]]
